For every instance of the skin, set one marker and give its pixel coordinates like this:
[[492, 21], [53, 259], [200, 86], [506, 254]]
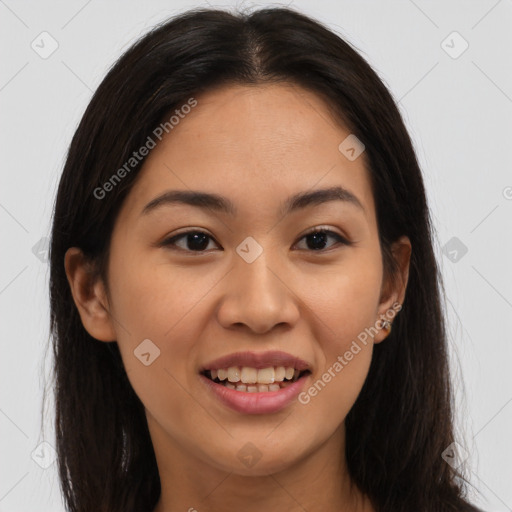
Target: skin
[[256, 146]]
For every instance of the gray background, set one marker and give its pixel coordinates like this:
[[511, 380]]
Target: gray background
[[457, 107]]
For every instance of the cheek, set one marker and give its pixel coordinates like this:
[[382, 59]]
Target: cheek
[[156, 302], [166, 305], [345, 307], [333, 391], [154, 297], [345, 299]]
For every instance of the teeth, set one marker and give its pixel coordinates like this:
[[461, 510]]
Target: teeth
[[256, 388], [248, 375], [280, 374], [234, 374], [266, 376]]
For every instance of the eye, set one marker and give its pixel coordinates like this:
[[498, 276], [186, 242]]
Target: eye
[[318, 237], [198, 241], [194, 241]]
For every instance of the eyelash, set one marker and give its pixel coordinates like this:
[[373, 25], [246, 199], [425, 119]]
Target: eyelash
[[171, 242]]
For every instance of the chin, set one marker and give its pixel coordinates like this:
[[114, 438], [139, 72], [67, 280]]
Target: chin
[[262, 468], [257, 456]]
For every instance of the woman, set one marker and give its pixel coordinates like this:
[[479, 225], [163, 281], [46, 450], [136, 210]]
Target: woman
[[213, 350]]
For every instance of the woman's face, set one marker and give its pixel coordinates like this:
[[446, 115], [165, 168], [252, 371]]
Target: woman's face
[[252, 281]]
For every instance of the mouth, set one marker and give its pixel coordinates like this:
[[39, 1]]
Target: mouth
[[255, 382], [247, 379]]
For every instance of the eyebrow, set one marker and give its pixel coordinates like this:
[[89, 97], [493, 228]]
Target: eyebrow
[[222, 204]]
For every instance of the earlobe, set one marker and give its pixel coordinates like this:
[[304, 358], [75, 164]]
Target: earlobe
[[89, 296], [395, 289]]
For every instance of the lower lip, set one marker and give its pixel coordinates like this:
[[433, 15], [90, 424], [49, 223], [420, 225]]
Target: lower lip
[[265, 402]]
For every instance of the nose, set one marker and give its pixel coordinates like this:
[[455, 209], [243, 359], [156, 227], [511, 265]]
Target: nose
[[258, 296]]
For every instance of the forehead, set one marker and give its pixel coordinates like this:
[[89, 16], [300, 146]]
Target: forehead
[[256, 145]]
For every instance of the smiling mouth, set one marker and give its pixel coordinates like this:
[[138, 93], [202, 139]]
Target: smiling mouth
[[252, 380]]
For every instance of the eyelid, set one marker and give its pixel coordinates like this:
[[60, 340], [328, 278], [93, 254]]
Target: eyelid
[[325, 229]]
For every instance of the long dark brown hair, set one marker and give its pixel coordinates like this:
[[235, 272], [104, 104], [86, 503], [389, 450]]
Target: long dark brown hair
[[402, 420]]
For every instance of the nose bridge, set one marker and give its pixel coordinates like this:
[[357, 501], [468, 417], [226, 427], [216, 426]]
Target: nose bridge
[[257, 295], [259, 276], [256, 267]]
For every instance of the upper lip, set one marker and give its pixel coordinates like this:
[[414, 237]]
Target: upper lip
[[258, 360]]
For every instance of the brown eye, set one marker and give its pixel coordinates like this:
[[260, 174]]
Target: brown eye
[[198, 241], [316, 240], [195, 241]]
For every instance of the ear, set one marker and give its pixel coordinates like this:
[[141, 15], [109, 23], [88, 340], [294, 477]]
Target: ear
[[394, 287], [89, 295]]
